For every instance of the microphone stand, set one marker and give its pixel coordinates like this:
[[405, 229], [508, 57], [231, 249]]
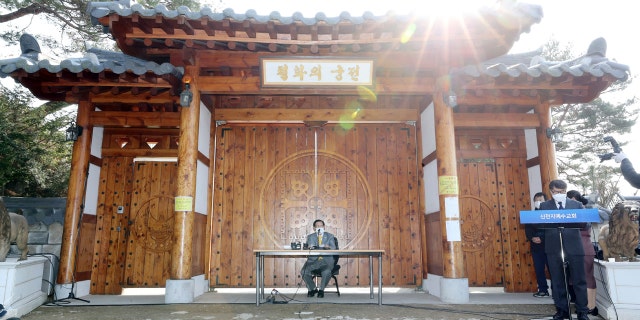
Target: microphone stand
[[564, 273], [553, 223]]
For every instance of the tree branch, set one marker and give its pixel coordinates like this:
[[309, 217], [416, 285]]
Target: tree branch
[[34, 8]]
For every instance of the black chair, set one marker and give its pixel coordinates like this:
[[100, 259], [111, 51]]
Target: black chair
[[334, 272]]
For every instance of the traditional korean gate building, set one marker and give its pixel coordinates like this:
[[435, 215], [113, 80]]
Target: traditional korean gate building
[[416, 135]]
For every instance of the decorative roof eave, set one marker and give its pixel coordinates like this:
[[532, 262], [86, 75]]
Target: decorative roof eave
[[575, 81], [98, 71], [139, 31]]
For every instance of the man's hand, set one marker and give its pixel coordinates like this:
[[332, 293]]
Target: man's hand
[[536, 240], [618, 157]]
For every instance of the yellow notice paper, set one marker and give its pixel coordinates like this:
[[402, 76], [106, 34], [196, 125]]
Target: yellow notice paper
[[183, 204], [448, 185]]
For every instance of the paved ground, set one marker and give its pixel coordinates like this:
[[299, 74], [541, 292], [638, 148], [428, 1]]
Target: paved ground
[[314, 311], [400, 304]]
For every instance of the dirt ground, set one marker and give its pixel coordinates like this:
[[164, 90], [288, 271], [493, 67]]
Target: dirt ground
[[314, 311]]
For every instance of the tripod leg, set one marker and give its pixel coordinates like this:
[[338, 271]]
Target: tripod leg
[[71, 296]]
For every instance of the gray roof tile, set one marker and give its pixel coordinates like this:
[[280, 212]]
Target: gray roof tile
[[127, 8], [533, 64], [94, 60]]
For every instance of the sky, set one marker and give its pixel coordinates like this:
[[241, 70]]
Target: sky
[[571, 22]]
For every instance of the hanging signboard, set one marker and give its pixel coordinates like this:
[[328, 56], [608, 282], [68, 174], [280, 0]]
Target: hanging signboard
[[284, 72]]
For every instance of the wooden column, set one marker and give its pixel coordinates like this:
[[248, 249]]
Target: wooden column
[[182, 251], [546, 148], [452, 254], [75, 195]]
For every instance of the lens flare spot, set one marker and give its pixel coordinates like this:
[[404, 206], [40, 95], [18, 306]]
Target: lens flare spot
[[408, 33], [367, 94], [352, 105], [346, 122]]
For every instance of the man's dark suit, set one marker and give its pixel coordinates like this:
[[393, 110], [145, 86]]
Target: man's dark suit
[[574, 256], [323, 264]]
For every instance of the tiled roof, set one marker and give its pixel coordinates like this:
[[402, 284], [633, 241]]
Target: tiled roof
[[127, 8], [594, 63], [160, 33], [94, 60]]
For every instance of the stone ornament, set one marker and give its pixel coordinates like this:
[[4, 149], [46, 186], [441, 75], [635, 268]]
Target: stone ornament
[[619, 238], [13, 228]]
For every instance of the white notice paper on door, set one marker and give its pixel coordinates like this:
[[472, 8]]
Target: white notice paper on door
[[451, 207], [453, 230]]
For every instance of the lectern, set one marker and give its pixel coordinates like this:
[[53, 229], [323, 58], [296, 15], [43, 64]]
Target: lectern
[[560, 220]]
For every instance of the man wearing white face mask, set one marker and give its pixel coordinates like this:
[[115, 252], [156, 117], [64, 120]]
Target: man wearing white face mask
[[319, 239], [571, 242], [536, 239]]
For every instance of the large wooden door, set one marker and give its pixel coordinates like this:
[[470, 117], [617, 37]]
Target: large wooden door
[[480, 214], [151, 223], [492, 193], [112, 225], [272, 181], [494, 188]]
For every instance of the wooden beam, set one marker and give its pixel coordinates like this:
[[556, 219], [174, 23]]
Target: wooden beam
[[248, 28], [251, 85], [134, 119], [299, 115], [493, 120], [108, 83], [139, 153], [242, 59], [154, 96], [185, 25], [226, 26], [487, 99]]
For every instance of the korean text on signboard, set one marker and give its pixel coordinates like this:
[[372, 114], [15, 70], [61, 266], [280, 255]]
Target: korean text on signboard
[[560, 216], [316, 72]]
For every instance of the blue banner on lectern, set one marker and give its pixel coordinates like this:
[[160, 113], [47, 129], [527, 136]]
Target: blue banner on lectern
[[560, 216]]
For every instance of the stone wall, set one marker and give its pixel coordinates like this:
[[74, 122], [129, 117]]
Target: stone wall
[[46, 219]]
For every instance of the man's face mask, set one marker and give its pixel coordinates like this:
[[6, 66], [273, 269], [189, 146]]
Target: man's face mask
[[537, 204], [319, 230], [560, 197]]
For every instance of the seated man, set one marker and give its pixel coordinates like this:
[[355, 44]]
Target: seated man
[[321, 264]]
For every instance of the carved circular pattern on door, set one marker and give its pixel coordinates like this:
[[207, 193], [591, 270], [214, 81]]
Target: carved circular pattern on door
[[479, 223], [307, 186], [153, 224]]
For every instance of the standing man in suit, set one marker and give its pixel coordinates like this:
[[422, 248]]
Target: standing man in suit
[[319, 239], [573, 254], [536, 238]]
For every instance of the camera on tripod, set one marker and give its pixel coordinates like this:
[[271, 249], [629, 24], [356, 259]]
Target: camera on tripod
[[616, 149]]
